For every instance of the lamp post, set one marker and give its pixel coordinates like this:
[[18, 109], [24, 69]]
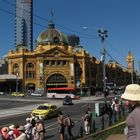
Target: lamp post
[[103, 34], [16, 81]]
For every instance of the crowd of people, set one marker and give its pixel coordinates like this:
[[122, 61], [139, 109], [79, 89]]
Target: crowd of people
[[33, 130]]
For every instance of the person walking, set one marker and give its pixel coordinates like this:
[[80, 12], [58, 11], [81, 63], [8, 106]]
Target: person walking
[[68, 124], [86, 123], [61, 125], [132, 94]]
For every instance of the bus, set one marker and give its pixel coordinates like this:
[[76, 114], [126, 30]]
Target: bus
[[61, 92]]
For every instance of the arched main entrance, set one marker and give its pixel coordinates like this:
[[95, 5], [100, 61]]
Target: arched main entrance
[[30, 87], [56, 80]]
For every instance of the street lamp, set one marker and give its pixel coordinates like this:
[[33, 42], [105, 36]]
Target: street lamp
[[16, 81], [103, 34]]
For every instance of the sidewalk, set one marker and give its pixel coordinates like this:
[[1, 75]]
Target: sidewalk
[[117, 137]]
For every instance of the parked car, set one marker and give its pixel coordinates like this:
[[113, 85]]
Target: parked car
[[45, 111], [37, 94], [2, 93], [67, 100], [18, 94]]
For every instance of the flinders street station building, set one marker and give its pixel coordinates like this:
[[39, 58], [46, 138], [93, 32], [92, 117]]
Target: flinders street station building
[[57, 62]]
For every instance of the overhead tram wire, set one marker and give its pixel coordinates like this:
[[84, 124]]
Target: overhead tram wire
[[43, 26], [83, 35], [64, 27], [6, 11], [114, 59], [112, 56], [111, 46]]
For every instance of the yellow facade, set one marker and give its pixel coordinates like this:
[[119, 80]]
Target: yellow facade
[[48, 66], [54, 63]]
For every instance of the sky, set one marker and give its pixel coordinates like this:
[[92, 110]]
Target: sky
[[120, 18]]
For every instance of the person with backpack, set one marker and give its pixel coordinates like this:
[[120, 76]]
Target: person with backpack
[[69, 125]]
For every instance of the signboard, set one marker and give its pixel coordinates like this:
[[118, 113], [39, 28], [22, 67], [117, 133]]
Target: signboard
[[71, 69], [97, 111], [78, 83]]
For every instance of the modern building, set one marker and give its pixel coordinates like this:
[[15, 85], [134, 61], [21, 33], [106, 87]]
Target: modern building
[[24, 24]]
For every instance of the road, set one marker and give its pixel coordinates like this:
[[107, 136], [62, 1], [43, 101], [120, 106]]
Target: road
[[76, 111]]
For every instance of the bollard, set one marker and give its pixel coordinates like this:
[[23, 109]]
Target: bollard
[[81, 132], [93, 125], [123, 111], [115, 116], [103, 122], [94, 116], [120, 113], [110, 119]]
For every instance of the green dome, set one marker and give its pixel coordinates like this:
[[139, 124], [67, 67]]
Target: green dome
[[52, 36]]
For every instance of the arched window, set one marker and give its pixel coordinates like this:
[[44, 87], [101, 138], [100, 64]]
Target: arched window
[[15, 69], [55, 40], [57, 78], [30, 65], [30, 71]]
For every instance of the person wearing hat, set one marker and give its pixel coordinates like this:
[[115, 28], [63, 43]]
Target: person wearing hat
[[4, 132], [22, 135], [132, 94], [28, 128], [11, 131]]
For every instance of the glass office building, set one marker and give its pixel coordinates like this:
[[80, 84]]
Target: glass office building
[[23, 24]]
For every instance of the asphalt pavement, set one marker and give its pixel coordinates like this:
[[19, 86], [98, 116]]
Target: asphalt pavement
[[37, 101]]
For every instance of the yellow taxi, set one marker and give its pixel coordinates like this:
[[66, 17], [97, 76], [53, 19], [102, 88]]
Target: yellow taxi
[[45, 111], [18, 94]]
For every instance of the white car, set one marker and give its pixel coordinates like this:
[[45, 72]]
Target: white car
[[37, 94], [2, 93]]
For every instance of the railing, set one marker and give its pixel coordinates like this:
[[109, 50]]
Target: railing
[[103, 134], [103, 126]]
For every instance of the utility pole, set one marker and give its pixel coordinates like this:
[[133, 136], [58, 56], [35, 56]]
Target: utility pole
[[17, 81], [103, 34]]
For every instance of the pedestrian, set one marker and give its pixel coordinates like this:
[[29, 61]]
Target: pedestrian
[[69, 125], [28, 128], [38, 131], [16, 132], [61, 125], [11, 132], [4, 132], [132, 94], [86, 123], [22, 135]]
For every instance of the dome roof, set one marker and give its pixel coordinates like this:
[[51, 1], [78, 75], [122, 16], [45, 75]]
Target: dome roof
[[52, 36]]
